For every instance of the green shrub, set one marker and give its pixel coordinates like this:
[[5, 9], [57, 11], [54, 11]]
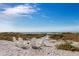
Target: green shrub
[[67, 46]]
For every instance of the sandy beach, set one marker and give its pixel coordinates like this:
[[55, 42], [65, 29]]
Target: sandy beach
[[8, 48]]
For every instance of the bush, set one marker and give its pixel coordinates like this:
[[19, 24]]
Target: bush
[[8, 35], [67, 46]]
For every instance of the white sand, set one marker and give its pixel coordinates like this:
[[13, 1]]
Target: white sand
[[7, 48]]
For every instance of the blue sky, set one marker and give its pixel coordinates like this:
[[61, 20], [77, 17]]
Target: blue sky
[[39, 17]]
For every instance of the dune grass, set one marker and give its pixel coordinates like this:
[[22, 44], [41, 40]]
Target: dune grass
[[63, 36], [8, 36], [67, 46]]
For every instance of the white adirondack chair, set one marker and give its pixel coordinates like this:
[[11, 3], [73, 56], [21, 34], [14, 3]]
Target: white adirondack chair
[[14, 39], [20, 39]]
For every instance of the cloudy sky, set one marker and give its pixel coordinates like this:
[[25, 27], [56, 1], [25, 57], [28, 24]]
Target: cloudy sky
[[19, 17]]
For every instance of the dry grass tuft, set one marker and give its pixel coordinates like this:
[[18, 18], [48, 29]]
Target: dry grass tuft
[[67, 46]]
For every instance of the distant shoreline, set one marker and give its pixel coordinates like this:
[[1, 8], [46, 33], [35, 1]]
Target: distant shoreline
[[40, 32]]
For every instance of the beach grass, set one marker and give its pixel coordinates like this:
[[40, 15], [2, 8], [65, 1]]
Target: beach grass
[[67, 46]]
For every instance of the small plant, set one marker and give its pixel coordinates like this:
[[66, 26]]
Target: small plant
[[67, 46]]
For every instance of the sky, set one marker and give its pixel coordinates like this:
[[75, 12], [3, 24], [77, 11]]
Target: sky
[[39, 17]]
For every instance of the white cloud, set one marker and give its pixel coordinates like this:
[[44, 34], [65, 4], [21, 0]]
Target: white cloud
[[9, 16], [7, 23], [20, 10]]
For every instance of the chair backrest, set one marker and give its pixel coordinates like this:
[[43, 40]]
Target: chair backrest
[[20, 39], [14, 39]]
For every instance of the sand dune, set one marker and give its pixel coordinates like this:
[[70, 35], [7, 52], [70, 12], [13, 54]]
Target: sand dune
[[8, 48]]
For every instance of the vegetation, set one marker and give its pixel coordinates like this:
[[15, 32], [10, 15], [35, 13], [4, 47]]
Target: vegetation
[[67, 46], [56, 36], [9, 35], [65, 36]]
